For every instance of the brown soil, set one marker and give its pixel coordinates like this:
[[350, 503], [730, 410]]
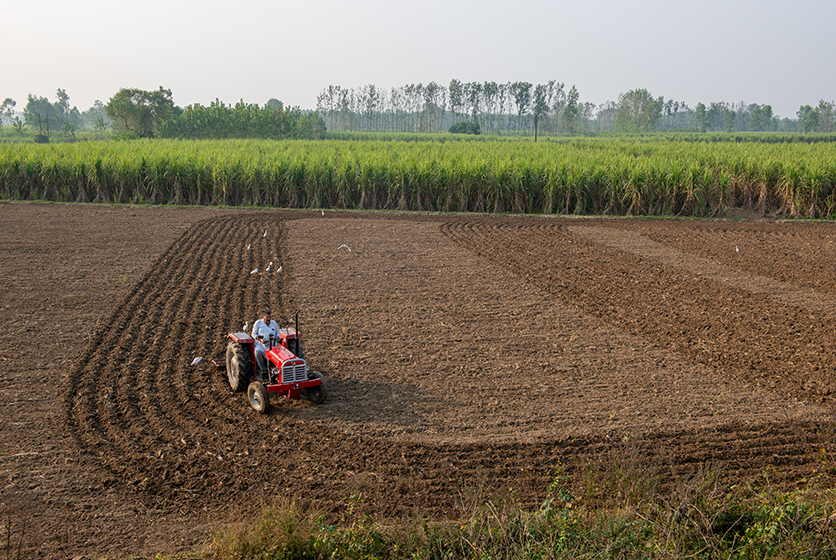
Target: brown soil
[[461, 352]]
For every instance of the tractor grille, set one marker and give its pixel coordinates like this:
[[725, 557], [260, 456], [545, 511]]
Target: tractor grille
[[294, 371]]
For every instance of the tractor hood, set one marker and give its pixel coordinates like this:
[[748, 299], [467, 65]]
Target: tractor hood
[[279, 355]]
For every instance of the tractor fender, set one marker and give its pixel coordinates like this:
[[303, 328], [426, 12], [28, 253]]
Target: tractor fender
[[241, 338]]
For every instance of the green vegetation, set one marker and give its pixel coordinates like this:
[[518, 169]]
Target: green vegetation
[[465, 127], [592, 176], [550, 109], [271, 122], [516, 109], [638, 111], [611, 507], [135, 113], [152, 114], [138, 113]]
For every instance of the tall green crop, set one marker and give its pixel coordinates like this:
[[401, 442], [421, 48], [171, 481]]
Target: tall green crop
[[615, 177]]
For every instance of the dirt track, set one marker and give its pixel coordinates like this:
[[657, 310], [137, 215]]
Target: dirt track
[[461, 352]]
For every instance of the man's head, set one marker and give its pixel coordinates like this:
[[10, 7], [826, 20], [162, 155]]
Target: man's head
[[265, 316]]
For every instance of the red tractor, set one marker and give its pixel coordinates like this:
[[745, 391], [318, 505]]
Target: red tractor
[[288, 374]]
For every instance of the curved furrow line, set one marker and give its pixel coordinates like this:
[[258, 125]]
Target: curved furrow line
[[615, 292], [139, 435], [751, 230], [114, 421], [743, 453], [174, 349], [86, 378], [256, 292], [804, 256], [153, 450], [195, 388], [179, 433], [242, 295], [205, 317], [713, 323], [214, 438], [466, 234]]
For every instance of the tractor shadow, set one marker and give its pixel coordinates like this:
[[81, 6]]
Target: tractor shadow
[[370, 405]]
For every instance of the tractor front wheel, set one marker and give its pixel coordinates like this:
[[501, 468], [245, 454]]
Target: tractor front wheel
[[258, 397], [238, 366], [319, 393]]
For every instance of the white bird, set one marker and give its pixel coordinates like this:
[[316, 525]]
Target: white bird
[[246, 326], [254, 271], [269, 266], [248, 246], [346, 246], [265, 234], [736, 248], [280, 269], [323, 212], [196, 361]]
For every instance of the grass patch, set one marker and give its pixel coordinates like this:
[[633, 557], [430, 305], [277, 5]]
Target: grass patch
[[610, 507]]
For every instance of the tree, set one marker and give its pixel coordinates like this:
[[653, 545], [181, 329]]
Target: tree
[[47, 117], [490, 93], [571, 111], [473, 98], [432, 114], [767, 117], [497, 107], [456, 92], [674, 115], [541, 105], [371, 103], [755, 118], [522, 97], [760, 117], [716, 116], [464, 127], [638, 111], [62, 104], [606, 116], [557, 102], [140, 112], [40, 113], [825, 114], [7, 109], [243, 120], [96, 117], [702, 117], [729, 120]]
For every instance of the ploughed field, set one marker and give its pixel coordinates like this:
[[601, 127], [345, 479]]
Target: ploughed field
[[463, 353]]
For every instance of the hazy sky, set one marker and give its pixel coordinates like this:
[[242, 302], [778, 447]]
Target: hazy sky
[[774, 52]]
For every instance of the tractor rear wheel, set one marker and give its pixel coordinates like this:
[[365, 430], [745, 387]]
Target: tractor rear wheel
[[258, 397], [238, 366], [319, 393]]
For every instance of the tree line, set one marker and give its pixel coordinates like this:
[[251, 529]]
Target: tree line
[[243, 120], [511, 108], [497, 108], [47, 117], [138, 113], [524, 108]]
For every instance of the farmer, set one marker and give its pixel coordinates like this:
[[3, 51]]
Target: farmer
[[262, 330]]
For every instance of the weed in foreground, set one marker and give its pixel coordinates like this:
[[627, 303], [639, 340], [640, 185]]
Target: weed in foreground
[[610, 507]]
